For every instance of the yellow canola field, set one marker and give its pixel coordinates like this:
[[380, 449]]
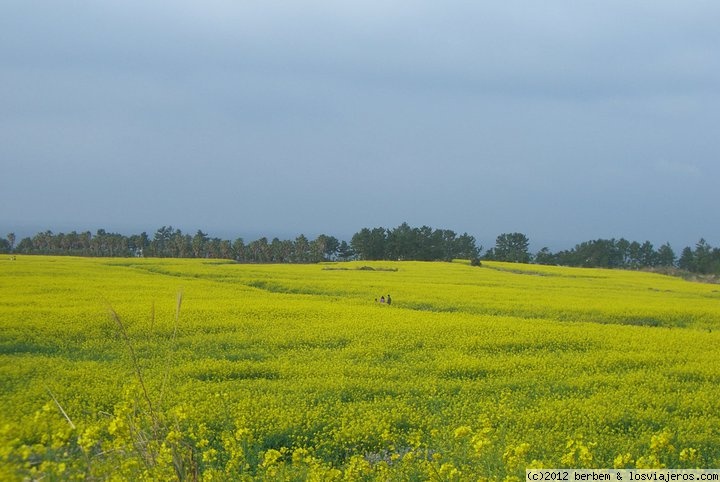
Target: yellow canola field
[[156, 369]]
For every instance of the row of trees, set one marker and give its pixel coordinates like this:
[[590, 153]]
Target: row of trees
[[401, 243], [408, 243], [173, 243], [609, 253]]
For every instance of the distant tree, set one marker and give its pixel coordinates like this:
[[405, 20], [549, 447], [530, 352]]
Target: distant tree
[[332, 244], [287, 247], [623, 249], [360, 243], [714, 266], [181, 245], [278, 253], [198, 244], [43, 243], [239, 250], [316, 250], [665, 255], [512, 247], [302, 250], [545, 256], [226, 251], [369, 244], [212, 247], [138, 244], [120, 245], [703, 257], [432, 242], [446, 238], [259, 250], [97, 242], [429, 244], [85, 240], [25, 246], [11, 240], [599, 253], [324, 248], [566, 258], [634, 255], [402, 243], [4, 246], [216, 249], [159, 246], [345, 252], [282, 251], [687, 259], [647, 255], [465, 247]]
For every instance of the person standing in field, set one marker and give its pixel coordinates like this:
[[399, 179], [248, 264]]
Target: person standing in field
[[389, 300]]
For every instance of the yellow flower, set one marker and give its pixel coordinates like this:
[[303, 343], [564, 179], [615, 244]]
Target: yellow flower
[[622, 461], [689, 455], [462, 432], [271, 457]]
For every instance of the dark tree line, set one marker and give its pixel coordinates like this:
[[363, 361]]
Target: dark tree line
[[401, 243], [407, 243], [173, 243], [609, 253]]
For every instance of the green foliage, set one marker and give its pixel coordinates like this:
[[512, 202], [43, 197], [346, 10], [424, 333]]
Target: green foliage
[[402, 243], [511, 247], [405, 243], [172, 243], [612, 253]]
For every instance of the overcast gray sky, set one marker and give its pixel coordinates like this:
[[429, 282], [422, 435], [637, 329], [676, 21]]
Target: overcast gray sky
[[564, 120]]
